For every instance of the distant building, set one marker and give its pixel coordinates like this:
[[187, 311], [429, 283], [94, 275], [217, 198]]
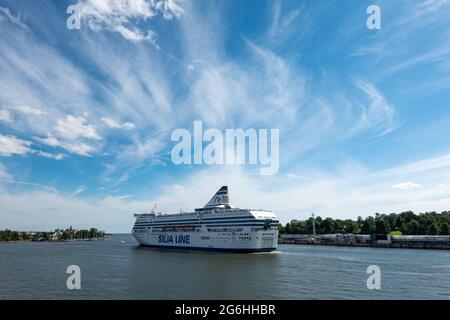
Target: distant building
[[56, 236], [71, 230]]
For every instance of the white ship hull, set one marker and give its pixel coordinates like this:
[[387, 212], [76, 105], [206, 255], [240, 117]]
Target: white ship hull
[[215, 227], [256, 241]]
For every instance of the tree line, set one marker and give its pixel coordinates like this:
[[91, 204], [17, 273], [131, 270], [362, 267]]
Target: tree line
[[83, 234], [64, 235], [406, 223], [9, 235]]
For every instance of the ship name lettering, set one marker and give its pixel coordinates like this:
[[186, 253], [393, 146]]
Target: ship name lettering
[[167, 238], [183, 239]]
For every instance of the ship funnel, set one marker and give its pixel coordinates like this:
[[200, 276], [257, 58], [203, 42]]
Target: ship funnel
[[220, 199]]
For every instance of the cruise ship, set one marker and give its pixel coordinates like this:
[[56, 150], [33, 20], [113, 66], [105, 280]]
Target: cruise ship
[[215, 227]]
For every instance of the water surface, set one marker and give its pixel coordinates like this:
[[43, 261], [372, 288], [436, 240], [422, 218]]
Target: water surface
[[119, 269]]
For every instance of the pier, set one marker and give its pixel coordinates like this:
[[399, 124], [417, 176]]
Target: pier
[[383, 241]]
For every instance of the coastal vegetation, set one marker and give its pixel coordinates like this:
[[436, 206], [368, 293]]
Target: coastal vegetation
[[56, 235], [405, 223]]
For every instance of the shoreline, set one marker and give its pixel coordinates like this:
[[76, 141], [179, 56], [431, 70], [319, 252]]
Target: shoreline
[[374, 241], [368, 246], [30, 240]]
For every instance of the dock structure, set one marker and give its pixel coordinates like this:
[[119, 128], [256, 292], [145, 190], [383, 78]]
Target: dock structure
[[357, 240]]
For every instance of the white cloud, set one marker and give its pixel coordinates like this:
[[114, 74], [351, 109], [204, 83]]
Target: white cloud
[[227, 93], [113, 124], [79, 148], [5, 115], [71, 133], [41, 210], [422, 9], [136, 35], [37, 80], [378, 114], [13, 19], [74, 146], [79, 190], [4, 175], [73, 128], [170, 9], [429, 164], [58, 156], [406, 186], [122, 16], [345, 195], [10, 145], [296, 176], [49, 141], [141, 150], [289, 23], [29, 110], [123, 178]]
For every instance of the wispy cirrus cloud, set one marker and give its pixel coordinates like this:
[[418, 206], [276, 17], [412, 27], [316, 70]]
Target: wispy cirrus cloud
[[289, 23], [79, 190], [422, 166], [41, 81], [409, 44], [17, 20], [377, 114], [4, 174], [28, 110]]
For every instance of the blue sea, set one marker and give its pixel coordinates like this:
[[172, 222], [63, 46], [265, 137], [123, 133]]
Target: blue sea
[[117, 268]]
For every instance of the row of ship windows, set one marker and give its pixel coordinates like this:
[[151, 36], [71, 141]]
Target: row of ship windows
[[216, 230], [227, 238], [195, 218], [231, 238], [212, 230], [208, 225]]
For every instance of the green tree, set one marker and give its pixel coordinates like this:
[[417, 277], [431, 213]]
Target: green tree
[[328, 226], [287, 229], [412, 228], [445, 228], [381, 226], [368, 226], [433, 229]]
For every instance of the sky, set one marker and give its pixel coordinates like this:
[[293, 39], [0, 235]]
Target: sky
[[86, 115]]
